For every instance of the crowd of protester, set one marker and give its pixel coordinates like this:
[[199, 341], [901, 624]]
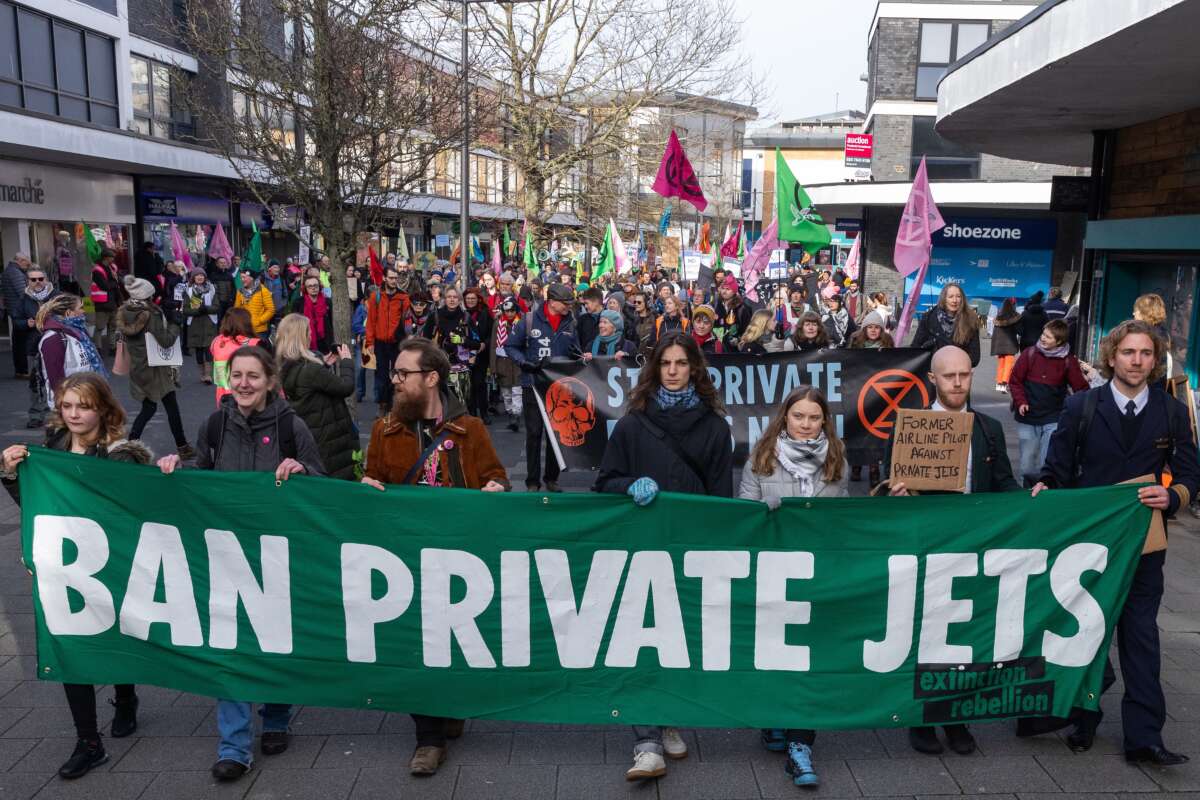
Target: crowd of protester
[[443, 355]]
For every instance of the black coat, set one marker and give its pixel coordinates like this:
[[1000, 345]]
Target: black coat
[[1029, 329], [930, 336], [635, 452], [319, 398], [1004, 337], [1103, 459]]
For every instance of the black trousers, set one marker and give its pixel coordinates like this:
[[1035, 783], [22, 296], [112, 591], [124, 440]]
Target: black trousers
[[479, 398], [385, 359], [1143, 708], [149, 407], [535, 441], [801, 735], [20, 347], [203, 356], [431, 731], [81, 699]]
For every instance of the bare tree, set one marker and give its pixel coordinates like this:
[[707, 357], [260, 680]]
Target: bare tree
[[573, 76], [337, 106]]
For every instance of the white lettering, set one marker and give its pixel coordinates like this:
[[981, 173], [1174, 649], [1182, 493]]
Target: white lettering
[[442, 620], [54, 577], [716, 570], [941, 609], [230, 579], [1078, 650], [891, 653], [651, 572], [1014, 568], [774, 612], [160, 549], [362, 611]]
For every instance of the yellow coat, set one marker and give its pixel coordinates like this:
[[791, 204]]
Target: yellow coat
[[259, 305]]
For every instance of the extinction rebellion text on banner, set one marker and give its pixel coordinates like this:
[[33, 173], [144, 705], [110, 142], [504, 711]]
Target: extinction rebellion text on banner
[[864, 388], [577, 608]]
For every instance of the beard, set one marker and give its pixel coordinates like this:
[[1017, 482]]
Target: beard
[[408, 409]]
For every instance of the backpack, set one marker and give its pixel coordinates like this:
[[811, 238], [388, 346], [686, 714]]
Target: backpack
[[287, 435]]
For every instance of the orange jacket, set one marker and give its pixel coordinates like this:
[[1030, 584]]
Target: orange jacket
[[385, 312]]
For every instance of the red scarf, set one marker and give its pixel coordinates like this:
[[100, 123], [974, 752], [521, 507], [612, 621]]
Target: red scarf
[[554, 319], [315, 311], [503, 326]]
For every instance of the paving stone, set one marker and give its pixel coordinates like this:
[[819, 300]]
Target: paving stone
[[160, 753], [12, 751], [37, 723], [302, 784], [22, 786], [708, 781], [20, 668], [505, 726], [313, 721], [302, 753], [886, 776], [49, 755], [505, 782], [1184, 707], [397, 783], [603, 782], [836, 780], [1182, 778], [95, 785], [724, 744], [1000, 739], [189, 699], [481, 748], [558, 747], [378, 750], [999, 774], [29, 694], [10, 717], [1073, 796], [197, 784], [1096, 773]]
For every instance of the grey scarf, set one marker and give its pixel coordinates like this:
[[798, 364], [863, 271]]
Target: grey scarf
[[802, 459]]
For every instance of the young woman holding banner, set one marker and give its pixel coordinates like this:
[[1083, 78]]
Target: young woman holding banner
[[254, 430], [87, 420], [799, 455]]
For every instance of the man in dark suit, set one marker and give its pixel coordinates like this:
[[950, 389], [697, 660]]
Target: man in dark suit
[[988, 470], [1134, 429]]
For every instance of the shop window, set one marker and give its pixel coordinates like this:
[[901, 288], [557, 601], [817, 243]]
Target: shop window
[[55, 68], [941, 44], [262, 118], [943, 159], [158, 108]]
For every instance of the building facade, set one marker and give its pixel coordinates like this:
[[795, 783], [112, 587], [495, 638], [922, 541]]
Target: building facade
[[910, 47]]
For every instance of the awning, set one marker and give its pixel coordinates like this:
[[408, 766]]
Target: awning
[[1071, 67]]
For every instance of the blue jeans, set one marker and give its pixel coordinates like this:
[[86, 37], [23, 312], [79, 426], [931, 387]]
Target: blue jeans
[[236, 727], [1034, 442], [360, 372]]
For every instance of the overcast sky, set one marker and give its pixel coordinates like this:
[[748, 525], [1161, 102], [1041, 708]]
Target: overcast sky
[[808, 52]]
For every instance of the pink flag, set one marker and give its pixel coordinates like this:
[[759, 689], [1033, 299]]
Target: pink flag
[[676, 178], [729, 248], [620, 255], [920, 220], [219, 247], [178, 249], [497, 265], [851, 265], [914, 243], [758, 258]]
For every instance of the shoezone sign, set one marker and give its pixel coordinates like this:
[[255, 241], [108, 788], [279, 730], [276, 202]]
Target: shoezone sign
[[581, 609], [582, 402]]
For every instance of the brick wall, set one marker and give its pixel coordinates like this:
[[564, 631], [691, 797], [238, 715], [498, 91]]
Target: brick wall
[[894, 67], [893, 147], [1156, 168], [154, 20]]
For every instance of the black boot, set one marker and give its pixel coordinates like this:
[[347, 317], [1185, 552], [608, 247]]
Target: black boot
[[124, 716], [924, 740], [512, 423], [960, 739], [88, 754]]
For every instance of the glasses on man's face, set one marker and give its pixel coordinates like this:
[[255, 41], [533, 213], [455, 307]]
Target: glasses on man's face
[[37, 280], [403, 374]]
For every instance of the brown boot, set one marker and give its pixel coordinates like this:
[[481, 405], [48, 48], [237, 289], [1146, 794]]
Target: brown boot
[[426, 760]]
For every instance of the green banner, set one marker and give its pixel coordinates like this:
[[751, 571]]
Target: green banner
[[577, 608]]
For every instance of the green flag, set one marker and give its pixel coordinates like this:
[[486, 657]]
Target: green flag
[[798, 219], [608, 257], [530, 256], [252, 259], [403, 246], [508, 244], [741, 243], [93, 247]]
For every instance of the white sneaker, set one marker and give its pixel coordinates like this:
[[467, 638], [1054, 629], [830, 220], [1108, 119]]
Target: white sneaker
[[673, 744], [646, 765]]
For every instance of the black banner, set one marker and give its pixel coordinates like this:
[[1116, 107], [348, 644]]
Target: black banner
[[583, 401]]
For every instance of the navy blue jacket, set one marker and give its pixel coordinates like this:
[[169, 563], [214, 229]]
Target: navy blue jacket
[[1104, 460], [533, 340]]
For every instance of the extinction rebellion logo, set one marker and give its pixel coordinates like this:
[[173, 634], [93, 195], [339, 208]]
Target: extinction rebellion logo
[[956, 693]]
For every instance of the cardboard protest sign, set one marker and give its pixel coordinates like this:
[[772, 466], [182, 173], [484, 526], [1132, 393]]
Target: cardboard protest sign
[[931, 448], [1156, 534]]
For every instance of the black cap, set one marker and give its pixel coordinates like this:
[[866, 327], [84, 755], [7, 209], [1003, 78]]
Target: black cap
[[561, 292]]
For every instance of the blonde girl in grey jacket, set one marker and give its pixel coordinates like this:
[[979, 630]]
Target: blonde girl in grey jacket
[[799, 455]]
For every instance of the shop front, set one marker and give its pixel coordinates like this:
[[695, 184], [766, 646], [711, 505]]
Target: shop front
[[196, 217], [44, 211]]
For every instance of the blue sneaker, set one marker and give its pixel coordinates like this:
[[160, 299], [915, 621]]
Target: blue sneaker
[[773, 739], [799, 765]]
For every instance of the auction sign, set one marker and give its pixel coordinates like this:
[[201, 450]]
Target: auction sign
[[577, 608], [583, 401], [859, 148]]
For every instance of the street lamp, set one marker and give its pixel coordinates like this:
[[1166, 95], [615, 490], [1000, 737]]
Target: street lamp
[[464, 222]]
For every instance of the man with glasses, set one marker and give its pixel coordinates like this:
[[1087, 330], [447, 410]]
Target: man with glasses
[[429, 440], [38, 290], [13, 283], [643, 326]]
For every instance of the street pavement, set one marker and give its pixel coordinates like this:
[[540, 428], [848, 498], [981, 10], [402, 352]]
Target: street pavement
[[338, 753]]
